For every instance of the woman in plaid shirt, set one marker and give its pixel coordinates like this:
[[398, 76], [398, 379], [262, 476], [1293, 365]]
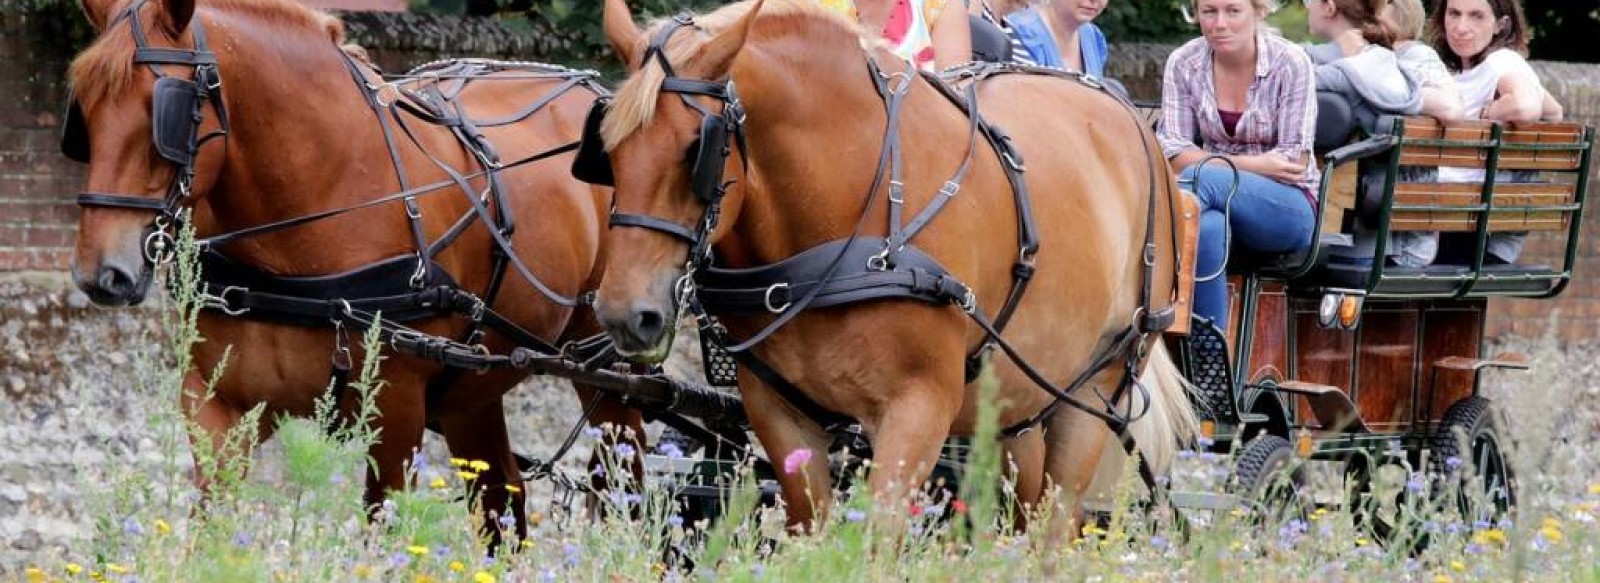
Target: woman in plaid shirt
[[1245, 93]]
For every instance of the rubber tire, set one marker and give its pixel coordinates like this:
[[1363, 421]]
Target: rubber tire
[[1256, 477], [1475, 418]]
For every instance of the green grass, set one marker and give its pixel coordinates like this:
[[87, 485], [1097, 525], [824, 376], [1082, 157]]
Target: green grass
[[305, 522]]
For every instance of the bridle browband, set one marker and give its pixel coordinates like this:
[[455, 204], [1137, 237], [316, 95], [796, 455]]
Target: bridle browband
[[177, 111]]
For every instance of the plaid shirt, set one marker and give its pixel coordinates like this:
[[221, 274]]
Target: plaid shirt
[[1280, 109]]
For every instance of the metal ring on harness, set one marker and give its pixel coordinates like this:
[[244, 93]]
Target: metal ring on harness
[[159, 246], [766, 298], [380, 90]]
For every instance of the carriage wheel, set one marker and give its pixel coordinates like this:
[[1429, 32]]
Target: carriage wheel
[[1266, 479], [1468, 453]]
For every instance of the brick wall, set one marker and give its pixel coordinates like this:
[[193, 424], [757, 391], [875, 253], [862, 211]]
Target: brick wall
[[37, 217]]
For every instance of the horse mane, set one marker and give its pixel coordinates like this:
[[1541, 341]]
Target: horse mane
[[106, 68], [634, 104]]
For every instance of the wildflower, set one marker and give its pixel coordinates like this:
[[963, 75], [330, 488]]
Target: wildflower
[[457, 567], [796, 460], [1493, 536], [417, 550], [131, 526], [426, 579], [1416, 484], [482, 577], [35, 575], [675, 521], [418, 461], [669, 449], [241, 539], [1362, 541], [1551, 534], [535, 518], [1319, 513], [573, 553], [854, 515], [916, 509], [1186, 455], [624, 450], [548, 576], [399, 561], [599, 471], [513, 489], [593, 432], [1204, 441], [458, 462], [443, 551], [468, 476], [362, 571], [658, 569], [438, 484], [1458, 566], [1452, 462], [508, 521], [478, 465], [1441, 578], [959, 505], [74, 569], [759, 570], [162, 527], [1594, 489]]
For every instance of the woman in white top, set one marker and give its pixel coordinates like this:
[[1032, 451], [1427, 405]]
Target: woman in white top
[[1484, 42]]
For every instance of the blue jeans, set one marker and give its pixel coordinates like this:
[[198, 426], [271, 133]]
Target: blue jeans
[[1267, 216]]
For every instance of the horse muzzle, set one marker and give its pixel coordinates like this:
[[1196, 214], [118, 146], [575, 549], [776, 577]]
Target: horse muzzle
[[643, 333]]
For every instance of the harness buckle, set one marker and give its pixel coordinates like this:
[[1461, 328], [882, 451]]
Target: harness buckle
[[950, 189], [1011, 159], [1149, 254], [220, 301], [968, 302], [766, 298], [879, 262], [897, 192]]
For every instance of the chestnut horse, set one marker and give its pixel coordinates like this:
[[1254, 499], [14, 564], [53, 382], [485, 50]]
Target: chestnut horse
[[813, 131], [301, 137]]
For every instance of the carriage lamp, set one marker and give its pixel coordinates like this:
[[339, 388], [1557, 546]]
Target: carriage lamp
[[1328, 310], [1349, 311], [1304, 445]]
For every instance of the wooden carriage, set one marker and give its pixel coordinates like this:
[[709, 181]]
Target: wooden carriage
[[1366, 363]]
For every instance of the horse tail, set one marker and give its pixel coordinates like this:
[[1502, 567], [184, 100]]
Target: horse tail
[[1169, 424]]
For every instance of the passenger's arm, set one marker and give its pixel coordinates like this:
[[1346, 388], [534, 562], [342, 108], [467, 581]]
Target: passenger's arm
[[1520, 96], [952, 37], [1296, 122], [1552, 110], [1444, 105]]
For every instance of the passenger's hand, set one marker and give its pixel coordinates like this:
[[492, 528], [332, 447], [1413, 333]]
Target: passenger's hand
[[1271, 166]]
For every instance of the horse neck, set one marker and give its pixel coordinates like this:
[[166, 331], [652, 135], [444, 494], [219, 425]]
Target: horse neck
[[811, 172], [303, 140]]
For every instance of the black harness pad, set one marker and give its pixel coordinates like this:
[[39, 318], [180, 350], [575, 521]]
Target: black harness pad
[[74, 132], [707, 156], [593, 164], [173, 123]]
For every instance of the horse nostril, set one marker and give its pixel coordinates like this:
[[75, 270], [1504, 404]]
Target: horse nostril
[[115, 281], [649, 324]]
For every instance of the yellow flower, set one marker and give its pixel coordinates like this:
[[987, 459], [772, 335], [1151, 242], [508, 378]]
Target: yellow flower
[[1551, 522], [458, 462], [362, 571], [478, 465], [1458, 566], [658, 569], [438, 484], [426, 579], [162, 527], [513, 489], [74, 569], [1594, 489], [458, 567], [482, 577], [1441, 578], [35, 575], [1319, 513], [115, 569], [1551, 534], [527, 543], [417, 550], [468, 476], [1490, 536], [534, 518], [95, 575], [1361, 542]]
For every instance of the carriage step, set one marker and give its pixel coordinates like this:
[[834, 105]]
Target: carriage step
[[1334, 410], [1206, 365], [1505, 360]]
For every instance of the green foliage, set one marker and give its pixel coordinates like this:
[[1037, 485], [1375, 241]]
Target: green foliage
[[1146, 21], [581, 19]]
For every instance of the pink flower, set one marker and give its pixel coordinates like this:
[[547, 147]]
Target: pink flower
[[796, 460]]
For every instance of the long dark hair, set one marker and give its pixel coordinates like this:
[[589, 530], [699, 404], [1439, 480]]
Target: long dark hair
[[1514, 36]]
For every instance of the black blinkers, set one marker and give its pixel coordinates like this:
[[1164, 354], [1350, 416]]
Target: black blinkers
[[174, 125], [704, 158]]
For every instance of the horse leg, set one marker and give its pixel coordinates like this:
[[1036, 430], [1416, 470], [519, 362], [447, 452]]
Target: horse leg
[[911, 429], [215, 418], [1074, 443], [1024, 468], [624, 438], [783, 430], [400, 427], [480, 434]]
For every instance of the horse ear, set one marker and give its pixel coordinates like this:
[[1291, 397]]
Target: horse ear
[[98, 12], [718, 53], [175, 15], [620, 29]]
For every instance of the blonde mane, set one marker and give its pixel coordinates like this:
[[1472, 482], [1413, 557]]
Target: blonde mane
[[106, 68], [634, 105]]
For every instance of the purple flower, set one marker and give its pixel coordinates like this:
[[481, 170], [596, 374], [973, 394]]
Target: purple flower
[[1186, 455], [131, 526], [593, 432], [796, 460], [675, 520], [854, 515], [572, 554], [669, 449], [547, 575], [599, 471], [624, 450], [1480, 524], [1204, 441], [759, 570], [241, 539], [443, 550], [1452, 462], [399, 561], [1453, 528], [1160, 543], [419, 462], [508, 522], [1416, 484]]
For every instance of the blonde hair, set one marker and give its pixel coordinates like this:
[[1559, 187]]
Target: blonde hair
[[1409, 18], [1264, 8]]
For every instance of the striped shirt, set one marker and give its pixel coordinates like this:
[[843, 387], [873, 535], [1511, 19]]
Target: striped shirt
[[1280, 113], [1019, 53]]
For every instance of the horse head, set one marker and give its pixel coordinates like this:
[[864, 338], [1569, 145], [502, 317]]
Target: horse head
[[672, 134]]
